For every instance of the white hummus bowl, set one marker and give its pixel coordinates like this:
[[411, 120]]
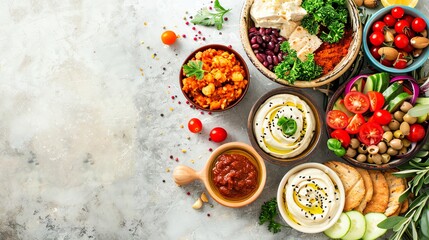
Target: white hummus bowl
[[334, 211]]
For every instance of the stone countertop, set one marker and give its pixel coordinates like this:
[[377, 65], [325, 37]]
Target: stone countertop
[[93, 123]]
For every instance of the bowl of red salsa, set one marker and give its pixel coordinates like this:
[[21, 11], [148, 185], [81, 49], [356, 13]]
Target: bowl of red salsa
[[234, 175]]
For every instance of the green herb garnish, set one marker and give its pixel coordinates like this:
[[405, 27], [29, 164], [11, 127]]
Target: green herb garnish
[[268, 213], [415, 223], [335, 146], [194, 68], [331, 14], [292, 68], [288, 125], [207, 18]]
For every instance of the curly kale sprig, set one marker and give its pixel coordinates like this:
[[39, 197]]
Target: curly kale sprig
[[268, 213]]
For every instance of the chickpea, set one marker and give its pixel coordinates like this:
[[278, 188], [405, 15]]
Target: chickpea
[[399, 116], [361, 158], [405, 128], [406, 142], [394, 125], [398, 134], [392, 152], [409, 119], [351, 152], [396, 144], [403, 151], [373, 149], [382, 147], [385, 158], [362, 149], [354, 143], [387, 136], [406, 106]]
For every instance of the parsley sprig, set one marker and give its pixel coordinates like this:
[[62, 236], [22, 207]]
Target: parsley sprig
[[194, 68], [268, 213], [207, 18]]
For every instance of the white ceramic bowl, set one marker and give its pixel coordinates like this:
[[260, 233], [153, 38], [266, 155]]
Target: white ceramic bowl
[[334, 212]]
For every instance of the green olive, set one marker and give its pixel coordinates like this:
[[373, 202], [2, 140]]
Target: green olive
[[362, 149], [376, 158], [398, 134], [392, 152], [406, 142], [370, 158], [394, 125], [382, 147], [403, 151], [361, 158], [399, 116], [409, 119], [385, 128], [405, 128], [354, 143], [387, 136], [373, 149], [385, 158], [406, 106], [351, 152], [396, 144]]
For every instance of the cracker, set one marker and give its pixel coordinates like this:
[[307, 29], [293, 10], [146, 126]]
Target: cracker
[[369, 190], [353, 183], [380, 197]]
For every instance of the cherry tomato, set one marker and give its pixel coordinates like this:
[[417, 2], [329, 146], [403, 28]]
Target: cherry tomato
[[389, 20], [386, 63], [168, 37], [408, 18], [417, 133], [376, 38], [382, 117], [376, 100], [408, 48], [374, 52], [355, 123], [418, 24], [400, 63], [356, 102], [218, 134], [397, 12], [370, 133], [378, 26], [336, 119], [195, 125], [401, 40], [343, 136], [402, 26]]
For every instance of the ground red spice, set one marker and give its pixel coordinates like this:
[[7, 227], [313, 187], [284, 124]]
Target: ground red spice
[[329, 55]]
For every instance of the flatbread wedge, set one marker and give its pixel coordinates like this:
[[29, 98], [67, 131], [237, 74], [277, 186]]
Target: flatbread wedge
[[396, 188], [380, 197], [369, 190], [353, 183]]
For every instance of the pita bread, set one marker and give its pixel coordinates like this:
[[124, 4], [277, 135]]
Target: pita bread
[[396, 188], [368, 189], [380, 197], [352, 181]]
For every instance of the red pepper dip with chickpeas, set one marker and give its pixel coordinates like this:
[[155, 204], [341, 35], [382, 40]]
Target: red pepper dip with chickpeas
[[234, 175], [329, 55]]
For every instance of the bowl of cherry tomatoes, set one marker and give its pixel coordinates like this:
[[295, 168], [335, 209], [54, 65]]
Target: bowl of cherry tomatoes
[[369, 123], [395, 39]]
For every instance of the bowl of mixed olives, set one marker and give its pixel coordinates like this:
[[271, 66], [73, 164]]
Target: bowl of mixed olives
[[369, 122]]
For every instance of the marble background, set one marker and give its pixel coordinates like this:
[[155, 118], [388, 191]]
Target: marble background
[[91, 114]]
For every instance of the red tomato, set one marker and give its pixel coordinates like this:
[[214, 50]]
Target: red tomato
[[389, 20], [374, 52], [370, 133], [336, 119], [356, 102], [417, 133], [218, 134], [355, 123], [408, 48], [378, 26], [376, 100], [195, 125], [408, 18], [402, 26], [397, 12], [376, 38], [343, 136], [418, 24], [401, 40], [168, 37], [382, 117], [400, 63], [386, 62]]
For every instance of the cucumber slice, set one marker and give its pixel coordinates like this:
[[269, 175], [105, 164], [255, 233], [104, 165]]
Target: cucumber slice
[[383, 81], [423, 100], [340, 228], [339, 105], [372, 231], [358, 226], [392, 91], [397, 101], [370, 85]]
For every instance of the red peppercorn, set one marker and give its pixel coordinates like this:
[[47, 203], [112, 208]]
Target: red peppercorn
[[184, 35]]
